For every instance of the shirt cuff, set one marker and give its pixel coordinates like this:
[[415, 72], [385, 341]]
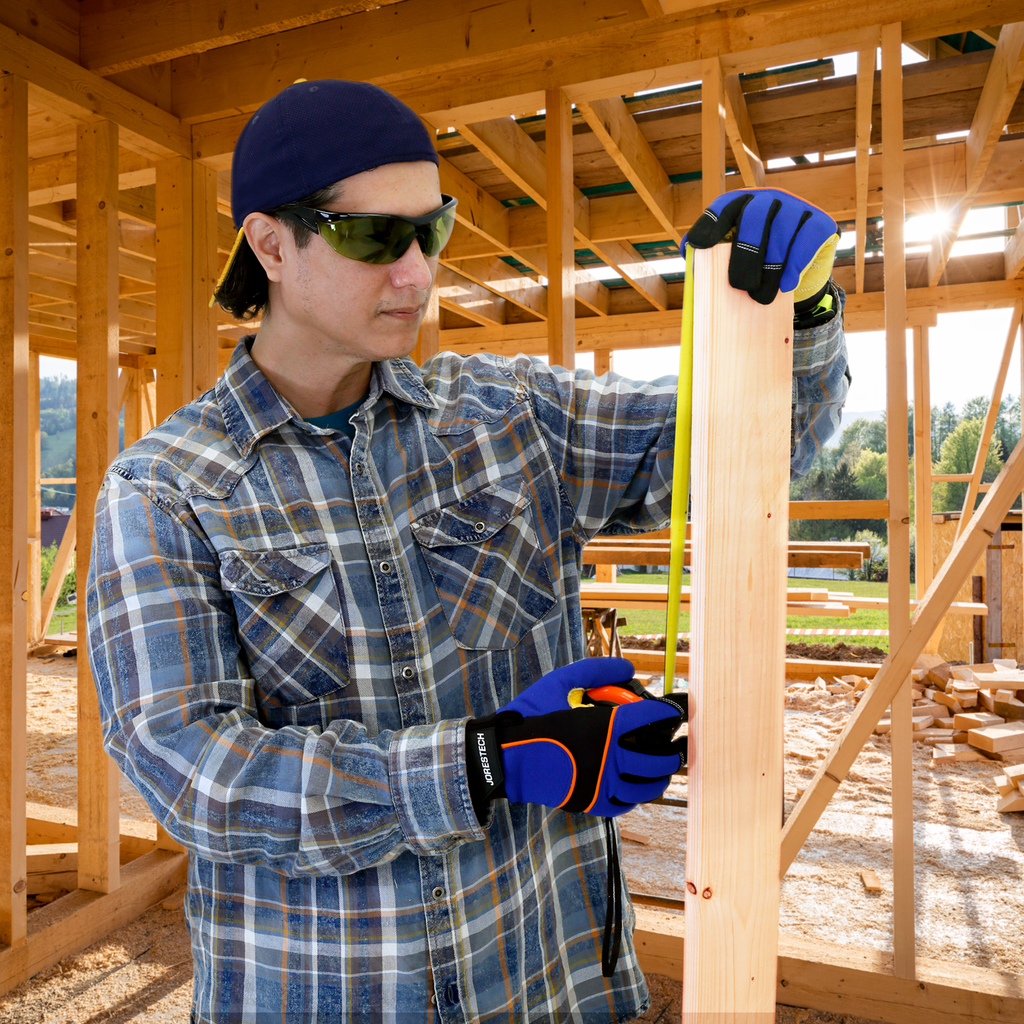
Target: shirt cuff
[[429, 787]]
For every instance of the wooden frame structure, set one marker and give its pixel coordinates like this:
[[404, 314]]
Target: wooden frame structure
[[116, 137]]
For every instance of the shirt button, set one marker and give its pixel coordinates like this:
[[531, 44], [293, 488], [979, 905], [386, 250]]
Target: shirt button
[[359, 469], [480, 527], [408, 673], [385, 567], [437, 892]]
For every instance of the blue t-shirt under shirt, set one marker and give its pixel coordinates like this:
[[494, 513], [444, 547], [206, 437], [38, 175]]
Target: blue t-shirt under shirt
[[338, 420]]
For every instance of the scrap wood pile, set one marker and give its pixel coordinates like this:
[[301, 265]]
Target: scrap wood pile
[[965, 712]]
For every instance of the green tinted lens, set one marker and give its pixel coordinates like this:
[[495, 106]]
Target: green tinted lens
[[369, 239], [434, 236]]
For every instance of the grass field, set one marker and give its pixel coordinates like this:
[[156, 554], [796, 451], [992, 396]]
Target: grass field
[[645, 621]]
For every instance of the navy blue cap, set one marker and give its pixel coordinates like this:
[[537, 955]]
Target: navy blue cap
[[315, 133]]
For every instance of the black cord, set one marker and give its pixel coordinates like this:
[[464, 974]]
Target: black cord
[[613, 911]]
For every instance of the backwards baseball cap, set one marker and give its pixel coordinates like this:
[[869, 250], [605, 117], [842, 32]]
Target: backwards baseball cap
[[312, 134]]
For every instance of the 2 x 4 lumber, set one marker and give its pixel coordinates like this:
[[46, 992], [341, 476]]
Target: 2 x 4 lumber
[[468, 298], [865, 102], [712, 129], [478, 210], [497, 276], [741, 133], [1013, 255], [424, 57], [860, 509], [1002, 85], [203, 276], [159, 30], [738, 576], [898, 493], [922, 460], [14, 576], [991, 414], [853, 981], [34, 505], [896, 667], [95, 446], [174, 201], [611, 121], [57, 83], [561, 230], [76, 921], [53, 179]]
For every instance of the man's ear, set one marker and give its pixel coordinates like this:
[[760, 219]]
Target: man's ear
[[266, 236]]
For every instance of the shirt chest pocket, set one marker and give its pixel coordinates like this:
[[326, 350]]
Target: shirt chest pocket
[[491, 576], [290, 622]]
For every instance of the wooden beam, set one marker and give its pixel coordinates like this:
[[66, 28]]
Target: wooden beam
[[34, 505], [866, 59], [76, 921], [923, 570], [560, 220], [985, 441], [174, 205], [896, 668], [1013, 255], [56, 83], [898, 492], [204, 269], [741, 133], [14, 576], [1002, 85], [158, 30], [469, 299], [95, 447], [732, 901], [851, 981], [53, 179], [478, 210], [506, 281], [712, 129], [612, 123]]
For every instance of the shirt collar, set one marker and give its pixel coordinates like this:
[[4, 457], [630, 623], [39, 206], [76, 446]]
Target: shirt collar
[[252, 408]]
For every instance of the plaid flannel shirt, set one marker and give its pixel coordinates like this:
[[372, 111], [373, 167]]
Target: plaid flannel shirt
[[288, 632]]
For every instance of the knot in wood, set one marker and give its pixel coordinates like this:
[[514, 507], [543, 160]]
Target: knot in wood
[[707, 893], [691, 888]]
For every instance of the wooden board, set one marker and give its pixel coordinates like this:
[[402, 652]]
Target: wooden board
[[738, 577]]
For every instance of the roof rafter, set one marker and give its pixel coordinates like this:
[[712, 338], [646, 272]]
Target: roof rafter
[[1002, 85], [741, 135]]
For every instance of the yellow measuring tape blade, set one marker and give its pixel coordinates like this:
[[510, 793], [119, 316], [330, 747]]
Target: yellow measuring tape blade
[[680, 474]]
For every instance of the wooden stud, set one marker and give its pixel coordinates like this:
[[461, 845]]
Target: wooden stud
[[739, 576], [898, 494], [14, 577], [560, 220], [741, 134], [922, 461], [603, 360], [991, 416], [1013, 255], [994, 598], [96, 446], [612, 123], [174, 312], [34, 506], [204, 271], [712, 129], [896, 667], [866, 59]]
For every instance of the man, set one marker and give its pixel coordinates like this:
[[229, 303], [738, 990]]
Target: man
[[334, 614]]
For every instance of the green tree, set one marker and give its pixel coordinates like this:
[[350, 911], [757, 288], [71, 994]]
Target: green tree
[[874, 438], [944, 422], [870, 474], [47, 557], [958, 453]]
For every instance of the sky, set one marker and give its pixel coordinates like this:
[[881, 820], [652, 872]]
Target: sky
[[965, 348]]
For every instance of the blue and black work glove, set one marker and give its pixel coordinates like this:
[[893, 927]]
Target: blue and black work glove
[[564, 743], [780, 242]]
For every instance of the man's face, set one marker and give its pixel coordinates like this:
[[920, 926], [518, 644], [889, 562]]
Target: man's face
[[361, 310]]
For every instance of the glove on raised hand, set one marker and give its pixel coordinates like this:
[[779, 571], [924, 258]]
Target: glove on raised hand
[[551, 745], [781, 243]]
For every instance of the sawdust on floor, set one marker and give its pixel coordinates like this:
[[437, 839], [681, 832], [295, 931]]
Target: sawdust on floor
[[969, 870]]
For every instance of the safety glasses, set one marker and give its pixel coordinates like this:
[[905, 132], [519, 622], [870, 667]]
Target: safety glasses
[[378, 237]]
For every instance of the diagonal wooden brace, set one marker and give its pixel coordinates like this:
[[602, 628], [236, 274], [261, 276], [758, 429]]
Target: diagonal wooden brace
[[896, 667]]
